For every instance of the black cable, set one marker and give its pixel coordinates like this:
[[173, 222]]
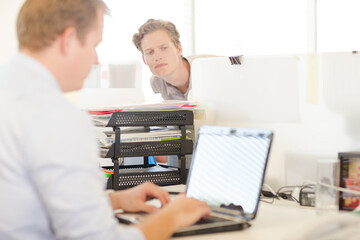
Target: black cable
[[284, 192]]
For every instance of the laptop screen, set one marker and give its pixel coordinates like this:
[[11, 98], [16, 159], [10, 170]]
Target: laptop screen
[[228, 166]]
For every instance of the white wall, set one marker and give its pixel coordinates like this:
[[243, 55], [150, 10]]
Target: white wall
[[8, 40], [328, 106]]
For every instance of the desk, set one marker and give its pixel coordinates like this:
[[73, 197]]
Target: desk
[[281, 220], [273, 221]]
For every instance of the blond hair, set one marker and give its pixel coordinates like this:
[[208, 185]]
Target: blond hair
[[40, 22], [153, 25]]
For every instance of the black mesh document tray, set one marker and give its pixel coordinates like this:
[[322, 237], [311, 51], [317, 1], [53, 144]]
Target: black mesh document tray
[[174, 147], [152, 118], [132, 177], [124, 178]]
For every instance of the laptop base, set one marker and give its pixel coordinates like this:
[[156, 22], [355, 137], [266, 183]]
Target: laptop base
[[235, 227]]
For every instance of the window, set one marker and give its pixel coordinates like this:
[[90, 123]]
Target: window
[[235, 27], [338, 25]]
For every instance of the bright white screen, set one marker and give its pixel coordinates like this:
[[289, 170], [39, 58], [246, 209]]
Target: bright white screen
[[228, 166]]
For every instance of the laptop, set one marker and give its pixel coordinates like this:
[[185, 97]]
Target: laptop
[[227, 171]]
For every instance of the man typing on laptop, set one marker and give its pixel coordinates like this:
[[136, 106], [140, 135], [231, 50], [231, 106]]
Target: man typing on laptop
[[227, 172]]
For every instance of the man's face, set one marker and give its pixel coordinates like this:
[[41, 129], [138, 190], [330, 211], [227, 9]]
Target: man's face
[[84, 54], [160, 53]]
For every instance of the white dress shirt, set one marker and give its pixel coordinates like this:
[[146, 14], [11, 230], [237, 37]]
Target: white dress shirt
[[50, 183]]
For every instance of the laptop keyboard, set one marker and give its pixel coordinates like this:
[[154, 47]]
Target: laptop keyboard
[[211, 219]]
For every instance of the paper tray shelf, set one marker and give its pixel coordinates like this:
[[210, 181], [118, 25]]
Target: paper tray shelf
[[151, 118], [132, 177], [173, 147], [124, 178]]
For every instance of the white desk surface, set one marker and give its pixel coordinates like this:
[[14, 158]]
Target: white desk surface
[[281, 220]]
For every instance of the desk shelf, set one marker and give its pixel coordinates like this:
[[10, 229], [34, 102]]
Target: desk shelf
[[128, 176]]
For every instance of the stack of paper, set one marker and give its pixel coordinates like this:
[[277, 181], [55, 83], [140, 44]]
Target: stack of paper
[[146, 106], [106, 136]]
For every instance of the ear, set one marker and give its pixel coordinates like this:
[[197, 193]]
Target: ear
[[144, 59], [67, 39], [179, 49]]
